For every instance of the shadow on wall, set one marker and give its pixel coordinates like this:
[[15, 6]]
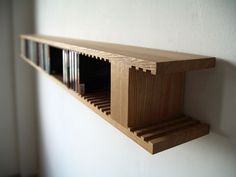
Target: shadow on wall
[[26, 90], [210, 96]]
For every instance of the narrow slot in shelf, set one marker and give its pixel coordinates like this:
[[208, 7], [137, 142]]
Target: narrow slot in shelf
[[55, 61]]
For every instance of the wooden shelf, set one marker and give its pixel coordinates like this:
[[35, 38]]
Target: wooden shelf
[[138, 90]]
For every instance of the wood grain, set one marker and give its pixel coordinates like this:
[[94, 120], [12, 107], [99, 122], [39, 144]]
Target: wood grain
[[119, 93], [153, 98], [179, 137], [171, 133]]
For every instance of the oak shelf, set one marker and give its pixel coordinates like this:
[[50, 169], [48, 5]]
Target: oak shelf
[[140, 91]]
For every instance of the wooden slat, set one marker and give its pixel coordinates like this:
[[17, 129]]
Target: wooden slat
[[104, 102], [146, 127], [95, 94], [159, 126], [178, 137], [106, 109], [103, 105], [108, 112], [101, 100], [166, 130], [91, 98]]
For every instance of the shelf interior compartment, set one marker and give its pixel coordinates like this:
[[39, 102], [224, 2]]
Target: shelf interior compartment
[[56, 67], [95, 79], [26, 49]]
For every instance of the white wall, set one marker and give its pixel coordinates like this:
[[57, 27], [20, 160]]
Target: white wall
[[8, 140], [74, 141]]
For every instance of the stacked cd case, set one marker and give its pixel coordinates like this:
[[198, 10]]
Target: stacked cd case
[[71, 70], [38, 53]]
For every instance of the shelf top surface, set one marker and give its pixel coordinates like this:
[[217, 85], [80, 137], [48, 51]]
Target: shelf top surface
[[148, 55]]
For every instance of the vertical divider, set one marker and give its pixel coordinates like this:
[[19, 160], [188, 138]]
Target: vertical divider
[[119, 92]]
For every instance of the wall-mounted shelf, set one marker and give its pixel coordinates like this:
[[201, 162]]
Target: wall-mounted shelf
[[138, 90]]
